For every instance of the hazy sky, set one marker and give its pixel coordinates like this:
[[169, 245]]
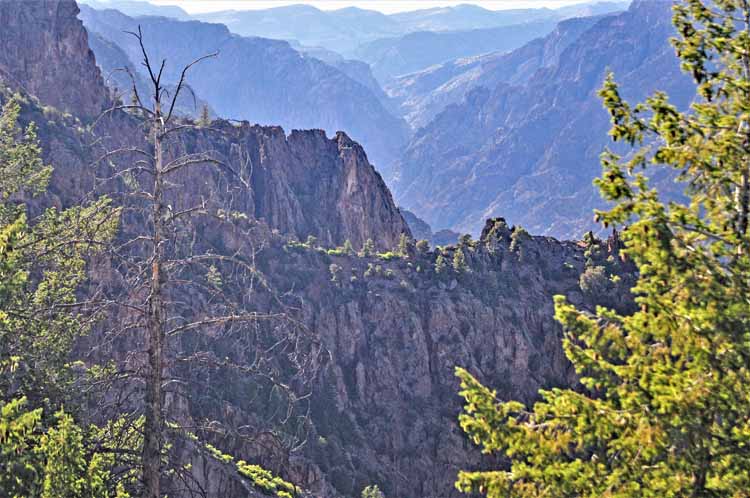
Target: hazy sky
[[387, 6]]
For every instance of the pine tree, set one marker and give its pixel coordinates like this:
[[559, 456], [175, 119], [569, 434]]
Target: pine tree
[[368, 250], [205, 118], [403, 245], [348, 248], [517, 238], [664, 408], [372, 492], [50, 462], [42, 265], [440, 265], [459, 261]]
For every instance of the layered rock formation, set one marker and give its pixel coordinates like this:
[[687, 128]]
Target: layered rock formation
[[302, 184]]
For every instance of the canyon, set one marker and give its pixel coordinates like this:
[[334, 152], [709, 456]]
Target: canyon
[[390, 324]]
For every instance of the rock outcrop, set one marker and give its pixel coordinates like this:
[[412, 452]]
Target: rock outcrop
[[44, 51], [307, 184], [421, 230], [301, 184]]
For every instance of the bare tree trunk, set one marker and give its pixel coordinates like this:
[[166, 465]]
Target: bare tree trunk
[[154, 413], [160, 265]]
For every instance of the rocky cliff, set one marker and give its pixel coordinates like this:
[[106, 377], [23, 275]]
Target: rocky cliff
[[307, 184], [528, 148], [386, 409], [44, 51]]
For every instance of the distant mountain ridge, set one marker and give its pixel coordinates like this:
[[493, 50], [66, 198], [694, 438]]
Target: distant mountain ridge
[[392, 57], [138, 8], [343, 30]]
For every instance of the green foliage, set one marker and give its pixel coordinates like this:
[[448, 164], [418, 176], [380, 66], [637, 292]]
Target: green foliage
[[372, 492], [335, 271], [389, 256], [663, 406], [205, 117], [423, 247], [594, 280], [589, 239], [218, 454], [51, 463], [368, 249], [592, 246], [348, 247], [311, 242], [440, 265], [21, 166], [213, 277], [517, 238], [42, 264], [294, 245], [231, 215], [459, 261], [266, 481], [370, 271], [403, 245], [260, 477], [464, 240]]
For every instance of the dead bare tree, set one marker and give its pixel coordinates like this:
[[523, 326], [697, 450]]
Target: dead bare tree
[[183, 295]]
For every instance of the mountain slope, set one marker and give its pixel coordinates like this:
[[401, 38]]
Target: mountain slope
[[423, 95], [528, 149], [260, 80]]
